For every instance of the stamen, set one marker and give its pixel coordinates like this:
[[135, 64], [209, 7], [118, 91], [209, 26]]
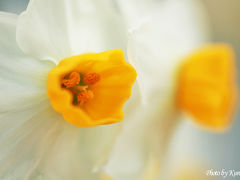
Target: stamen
[[91, 78], [85, 96], [72, 80], [79, 85], [81, 88]]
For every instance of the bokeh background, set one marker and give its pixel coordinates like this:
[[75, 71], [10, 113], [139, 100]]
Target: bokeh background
[[191, 144]]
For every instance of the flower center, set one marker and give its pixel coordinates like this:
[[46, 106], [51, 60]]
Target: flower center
[[91, 89], [79, 85]]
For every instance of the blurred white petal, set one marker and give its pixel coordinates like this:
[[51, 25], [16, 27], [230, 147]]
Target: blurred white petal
[[57, 29], [156, 48], [135, 11], [143, 137], [157, 45]]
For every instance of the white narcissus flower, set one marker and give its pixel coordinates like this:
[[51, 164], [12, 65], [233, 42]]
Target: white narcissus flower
[[90, 89], [173, 77], [57, 64]]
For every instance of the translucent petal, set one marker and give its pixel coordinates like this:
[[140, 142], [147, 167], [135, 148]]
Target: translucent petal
[[135, 11], [76, 153], [143, 138], [57, 29], [25, 140], [156, 46], [22, 78]]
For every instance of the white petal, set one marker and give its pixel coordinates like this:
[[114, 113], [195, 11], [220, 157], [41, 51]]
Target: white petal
[[21, 78], [157, 45], [42, 145], [25, 140], [58, 28], [76, 152], [24, 109]]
